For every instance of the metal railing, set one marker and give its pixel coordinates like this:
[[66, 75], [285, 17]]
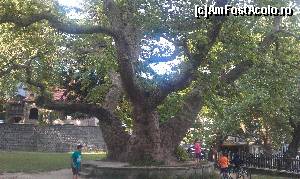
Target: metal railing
[[277, 162]]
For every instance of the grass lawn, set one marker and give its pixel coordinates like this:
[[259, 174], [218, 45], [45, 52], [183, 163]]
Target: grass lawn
[[38, 161]]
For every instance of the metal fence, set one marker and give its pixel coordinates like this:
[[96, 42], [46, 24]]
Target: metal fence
[[277, 162]]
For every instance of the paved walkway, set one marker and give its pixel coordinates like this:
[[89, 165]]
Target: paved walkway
[[58, 174], [64, 173]]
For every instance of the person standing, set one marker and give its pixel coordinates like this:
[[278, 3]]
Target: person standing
[[76, 161], [197, 148], [237, 162], [224, 164]]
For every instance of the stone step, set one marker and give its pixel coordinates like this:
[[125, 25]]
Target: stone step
[[86, 170], [84, 174]]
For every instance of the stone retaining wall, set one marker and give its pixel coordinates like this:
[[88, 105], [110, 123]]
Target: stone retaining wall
[[274, 172], [55, 138], [107, 170]]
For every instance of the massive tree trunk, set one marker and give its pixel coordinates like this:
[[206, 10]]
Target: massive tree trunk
[[176, 128], [114, 134], [152, 141], [145, 140], [295, 143], [267, 144], [292, 151], [116, 139]]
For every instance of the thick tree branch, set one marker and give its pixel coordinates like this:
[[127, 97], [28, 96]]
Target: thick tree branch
[[90, 109], [243, 67], [46, 102], [113, 13], [113, 131], [67, 27], [128, 48], [126, 56], [195, 60], [115, 92], [175, 128], [236, 72]]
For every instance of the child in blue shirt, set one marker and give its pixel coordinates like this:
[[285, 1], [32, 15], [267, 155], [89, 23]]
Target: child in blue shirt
[[76, 161]]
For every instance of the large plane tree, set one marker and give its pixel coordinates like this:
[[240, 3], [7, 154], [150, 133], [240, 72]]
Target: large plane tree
[[124, 36]]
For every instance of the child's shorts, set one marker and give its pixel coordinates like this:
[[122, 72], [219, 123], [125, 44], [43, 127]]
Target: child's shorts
[[223, 170], [198, 155], [75, 171]]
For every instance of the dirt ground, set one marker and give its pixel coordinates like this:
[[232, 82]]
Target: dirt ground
[[58, 174]]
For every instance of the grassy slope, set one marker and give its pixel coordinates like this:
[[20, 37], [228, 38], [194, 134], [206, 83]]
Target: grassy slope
[[36, 161]]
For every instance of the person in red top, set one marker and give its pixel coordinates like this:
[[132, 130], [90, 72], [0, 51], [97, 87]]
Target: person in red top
[[197, 147], [223, 163]]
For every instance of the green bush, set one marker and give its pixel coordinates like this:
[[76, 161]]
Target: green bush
[[181, 154]]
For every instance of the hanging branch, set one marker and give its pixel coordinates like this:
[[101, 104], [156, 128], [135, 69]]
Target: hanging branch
[[55, 22], [243, 67], [190, 69]]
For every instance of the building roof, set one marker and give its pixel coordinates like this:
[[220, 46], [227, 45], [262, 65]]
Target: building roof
[[59, 94], [234, 140]]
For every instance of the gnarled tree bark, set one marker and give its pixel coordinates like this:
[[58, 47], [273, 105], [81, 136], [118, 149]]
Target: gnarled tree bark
[[175, 129], [295, 143]]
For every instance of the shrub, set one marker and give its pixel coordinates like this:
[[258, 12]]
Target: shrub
[[181, 154]]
